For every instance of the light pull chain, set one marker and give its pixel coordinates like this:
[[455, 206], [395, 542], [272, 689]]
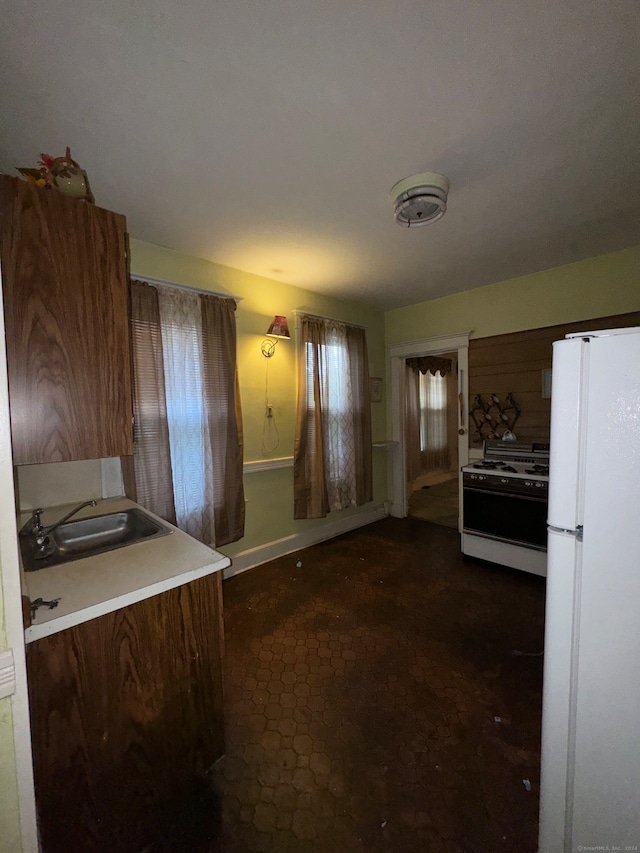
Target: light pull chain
[[270, 435]]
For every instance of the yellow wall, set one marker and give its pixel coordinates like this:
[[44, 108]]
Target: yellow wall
[[9, 816], [597, 287], [269, 494]]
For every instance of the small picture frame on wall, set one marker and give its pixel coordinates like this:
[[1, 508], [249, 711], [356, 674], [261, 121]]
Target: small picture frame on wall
[[376, 389]]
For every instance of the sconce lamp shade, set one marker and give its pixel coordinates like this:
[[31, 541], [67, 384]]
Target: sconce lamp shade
[[279, 328]]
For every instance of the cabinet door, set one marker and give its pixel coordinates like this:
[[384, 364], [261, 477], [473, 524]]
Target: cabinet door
[[65, 301], [126, 718]]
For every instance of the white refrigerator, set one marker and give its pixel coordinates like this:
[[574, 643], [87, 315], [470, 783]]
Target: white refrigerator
[[590, 774]]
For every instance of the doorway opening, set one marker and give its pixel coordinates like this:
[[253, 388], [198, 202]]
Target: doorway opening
[[431, 438], [442, 474]]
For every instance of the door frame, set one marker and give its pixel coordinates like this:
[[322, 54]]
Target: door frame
[[13, 622], [398, 353]]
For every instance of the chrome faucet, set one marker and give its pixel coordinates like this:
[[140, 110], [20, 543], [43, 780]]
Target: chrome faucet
[[35, 528], [47, 530]]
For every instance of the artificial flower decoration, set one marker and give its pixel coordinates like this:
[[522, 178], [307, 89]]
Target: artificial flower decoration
[[60, 173]]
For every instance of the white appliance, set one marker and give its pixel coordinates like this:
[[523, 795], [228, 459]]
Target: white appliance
[[590, 775], [504, 498]]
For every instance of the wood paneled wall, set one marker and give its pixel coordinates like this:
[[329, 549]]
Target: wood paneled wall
[[514, 363]]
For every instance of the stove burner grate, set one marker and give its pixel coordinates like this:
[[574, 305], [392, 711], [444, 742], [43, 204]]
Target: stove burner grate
[[537, 469]]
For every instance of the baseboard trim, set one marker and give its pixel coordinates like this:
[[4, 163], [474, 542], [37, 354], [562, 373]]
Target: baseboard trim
[[267, 464], [253, 557]]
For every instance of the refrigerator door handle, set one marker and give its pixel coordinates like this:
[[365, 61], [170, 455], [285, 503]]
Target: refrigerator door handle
[[577, 532]]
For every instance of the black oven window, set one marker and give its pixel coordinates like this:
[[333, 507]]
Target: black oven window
[[510, 518]]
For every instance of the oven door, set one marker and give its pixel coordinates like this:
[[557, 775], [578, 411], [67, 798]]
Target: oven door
[[515, 518]]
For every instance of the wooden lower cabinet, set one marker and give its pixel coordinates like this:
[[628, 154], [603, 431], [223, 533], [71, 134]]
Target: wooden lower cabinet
[[127, 717]]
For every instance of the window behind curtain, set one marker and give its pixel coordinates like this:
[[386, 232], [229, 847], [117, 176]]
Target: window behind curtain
[[188, 436], [332, 459], [152, 462], [433, 421]]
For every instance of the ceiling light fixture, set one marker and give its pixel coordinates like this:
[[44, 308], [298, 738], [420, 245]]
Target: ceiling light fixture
[[420, 199], [278, 329]]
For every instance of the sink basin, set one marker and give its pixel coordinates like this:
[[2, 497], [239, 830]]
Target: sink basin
[[85, 537]]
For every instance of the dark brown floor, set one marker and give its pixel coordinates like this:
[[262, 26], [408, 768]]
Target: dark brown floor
[[374, 701], [437, 503]]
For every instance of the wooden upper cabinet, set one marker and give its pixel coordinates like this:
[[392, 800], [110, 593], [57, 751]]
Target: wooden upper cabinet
[[64, 279]]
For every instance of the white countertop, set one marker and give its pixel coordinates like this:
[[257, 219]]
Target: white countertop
[[96, 585]]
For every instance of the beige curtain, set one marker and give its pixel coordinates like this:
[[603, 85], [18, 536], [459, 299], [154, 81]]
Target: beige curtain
[[412, 423], [196, 395], [332, 453], [222, 391]]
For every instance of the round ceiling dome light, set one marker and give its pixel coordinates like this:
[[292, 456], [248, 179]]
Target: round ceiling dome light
[[420, 199]]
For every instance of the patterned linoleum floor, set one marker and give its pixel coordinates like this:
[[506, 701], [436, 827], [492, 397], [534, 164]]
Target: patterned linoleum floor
[[374, 702]]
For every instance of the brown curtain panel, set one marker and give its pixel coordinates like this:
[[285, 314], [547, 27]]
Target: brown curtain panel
[[361, 412], [225, 417], [311, 499], [333, 452], [430, 364], [412, 423], [188, 449], [151, 457]]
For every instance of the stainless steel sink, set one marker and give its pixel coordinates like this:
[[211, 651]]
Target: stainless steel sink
[[85, 537]]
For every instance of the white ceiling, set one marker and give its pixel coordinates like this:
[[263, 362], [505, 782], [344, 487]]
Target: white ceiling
[[266, 134]]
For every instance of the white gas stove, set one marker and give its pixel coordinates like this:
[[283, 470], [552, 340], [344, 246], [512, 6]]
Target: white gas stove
[[505, 505]]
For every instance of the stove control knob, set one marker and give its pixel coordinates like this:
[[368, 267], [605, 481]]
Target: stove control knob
[[528, 483], [539, 485], [481, 477], [503, 480]]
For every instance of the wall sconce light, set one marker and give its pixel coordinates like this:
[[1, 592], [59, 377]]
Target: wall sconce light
[[278, 329]]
